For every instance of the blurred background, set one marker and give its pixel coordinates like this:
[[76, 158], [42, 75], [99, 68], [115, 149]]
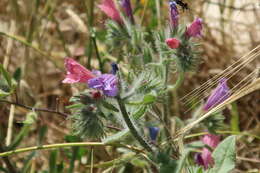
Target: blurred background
[[36, 36]]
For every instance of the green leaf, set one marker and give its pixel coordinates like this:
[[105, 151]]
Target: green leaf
[[75, 152], [109, 106], [140, 112], [60, 167], [118, 161], [139, 163], [6, 75], [27, 162], [42, 133], [52, 162], [17, 74], [75, 106], [72, 138], [182, 160], [18, 138], [224, 155], [4, 94], [3, 170], [234, 122], [148, 99], [31, 117], [114, 138]]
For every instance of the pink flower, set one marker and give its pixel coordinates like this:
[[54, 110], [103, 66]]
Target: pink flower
[[109, 7], [205, 157], [211, 140], [172, 43], [76, 72], [194, 30]]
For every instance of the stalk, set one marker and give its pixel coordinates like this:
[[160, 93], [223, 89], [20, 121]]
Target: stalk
[[131, 126], [64, 145]]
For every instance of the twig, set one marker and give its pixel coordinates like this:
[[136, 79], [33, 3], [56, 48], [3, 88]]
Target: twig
[[50, 111], [35, 109]]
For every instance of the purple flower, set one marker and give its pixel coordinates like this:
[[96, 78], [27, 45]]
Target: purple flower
[[194, 30], [105, 82], [204, 158], [128, 10], [153, 131], [174, 14], [218, 95], [211, 140]]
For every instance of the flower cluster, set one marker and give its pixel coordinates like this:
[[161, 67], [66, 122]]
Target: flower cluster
[[107, 83], [205, 157]]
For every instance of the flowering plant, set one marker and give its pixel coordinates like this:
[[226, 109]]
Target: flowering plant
[[122, 93], [128, 94]]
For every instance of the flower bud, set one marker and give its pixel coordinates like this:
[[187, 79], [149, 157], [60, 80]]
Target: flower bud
[[218, 95], [128, 10], [173, 43], [194, 30], [109, 7], [174, 14], [153, 131]]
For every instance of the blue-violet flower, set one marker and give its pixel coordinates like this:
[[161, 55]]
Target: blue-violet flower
[[218, 95], [114, 68], [153, 131], [174, 14], [105, 82]]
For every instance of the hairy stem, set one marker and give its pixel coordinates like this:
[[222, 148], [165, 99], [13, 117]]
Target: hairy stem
[[131, 126]]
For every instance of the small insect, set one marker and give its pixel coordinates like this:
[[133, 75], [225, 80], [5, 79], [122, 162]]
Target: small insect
[[183, 5]]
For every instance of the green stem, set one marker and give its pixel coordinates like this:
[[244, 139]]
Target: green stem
[[178, 82], [131, 126], [90, 19], [63, 145], [234, 117], [166, 105], [97, 52], [7, 162]]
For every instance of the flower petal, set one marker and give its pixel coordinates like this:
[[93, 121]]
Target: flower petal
[[76, 72], [194, 30], [218, 95], [211, 140], [109, 7]]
